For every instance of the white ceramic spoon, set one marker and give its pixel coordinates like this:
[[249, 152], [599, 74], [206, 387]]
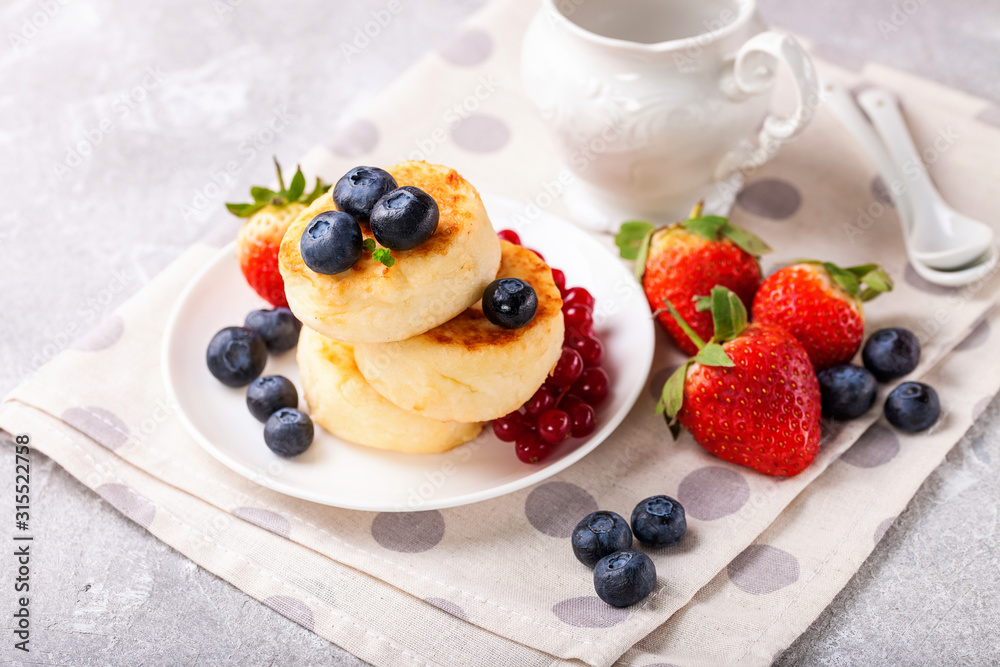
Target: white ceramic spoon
[[940, 237], [843, 106]]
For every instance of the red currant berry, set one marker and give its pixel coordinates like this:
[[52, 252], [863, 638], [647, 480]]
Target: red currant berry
[[585, 330], [584, 420], [554, 426], [578, 317], [579, 295], [592, 386], [568, 368], [589, 348], [555, 390], [532, 449], [508, 427], [510, 236], [560, 280], [569, 403], [540, 402]]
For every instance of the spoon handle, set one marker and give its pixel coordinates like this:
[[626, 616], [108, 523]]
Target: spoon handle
[[883, 109], [842, 104]]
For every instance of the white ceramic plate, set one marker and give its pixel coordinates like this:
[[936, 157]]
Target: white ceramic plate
[[334, 472]]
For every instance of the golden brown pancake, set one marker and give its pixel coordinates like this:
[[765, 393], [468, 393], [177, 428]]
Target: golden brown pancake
[[469, 369], [427, 286], [343, 403]]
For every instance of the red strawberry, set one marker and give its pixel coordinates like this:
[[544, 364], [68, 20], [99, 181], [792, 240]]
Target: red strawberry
[[820, 304], [750, 396], [259, 239], [684, 261]]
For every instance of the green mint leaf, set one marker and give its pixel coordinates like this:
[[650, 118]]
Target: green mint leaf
[[383, 255], [702, 303], [262, 195], [245, 210], [728, 313], [298, 185], [750, 243], [695, 338], [368, 245], [630, 237], [639, 270], [713, 355], [706, 226]]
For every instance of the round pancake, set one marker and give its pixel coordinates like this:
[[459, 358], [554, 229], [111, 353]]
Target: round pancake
[[429, 285], [343, 403], [469, 369]]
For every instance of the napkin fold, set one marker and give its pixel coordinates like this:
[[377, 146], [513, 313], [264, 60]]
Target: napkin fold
[[466, 585]]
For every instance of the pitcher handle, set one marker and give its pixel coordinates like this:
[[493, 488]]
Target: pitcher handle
[[750, 76]]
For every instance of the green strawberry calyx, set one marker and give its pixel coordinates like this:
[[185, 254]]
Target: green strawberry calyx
[[295, 193], [865, 281], [729, 316], [634, 237]]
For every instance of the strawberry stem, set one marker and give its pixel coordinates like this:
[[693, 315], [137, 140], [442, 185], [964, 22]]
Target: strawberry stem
[[281, 179]]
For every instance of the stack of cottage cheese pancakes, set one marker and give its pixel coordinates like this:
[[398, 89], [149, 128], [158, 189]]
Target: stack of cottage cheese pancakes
[[404, 358]]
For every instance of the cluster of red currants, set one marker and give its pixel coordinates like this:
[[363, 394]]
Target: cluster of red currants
[[565, 405]]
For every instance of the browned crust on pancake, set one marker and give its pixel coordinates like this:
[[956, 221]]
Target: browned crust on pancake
[[448, 188], [471, 330]]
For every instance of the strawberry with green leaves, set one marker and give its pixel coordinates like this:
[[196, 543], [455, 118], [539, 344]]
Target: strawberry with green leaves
[[267, 218], [820, 304], [750, 395], [684, 261]]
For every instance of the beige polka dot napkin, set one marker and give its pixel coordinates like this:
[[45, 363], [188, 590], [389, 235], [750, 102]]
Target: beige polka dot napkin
[[496, 582]]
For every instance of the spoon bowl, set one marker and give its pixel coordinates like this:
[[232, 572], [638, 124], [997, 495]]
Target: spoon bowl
[[960, 242], [980, 268], [939, 236]]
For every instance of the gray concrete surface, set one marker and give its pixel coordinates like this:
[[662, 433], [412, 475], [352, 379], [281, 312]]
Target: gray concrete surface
[[164, 93]]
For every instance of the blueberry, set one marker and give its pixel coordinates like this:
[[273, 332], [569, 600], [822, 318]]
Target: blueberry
[[599, 534], [404, 218], [268, 394], [846, 391], [891, 353], [659, 521], [331, 243], [510, 303], [236, 355], [288, 432], [278, 328], [358, 190], [912, 406], [624, 577]]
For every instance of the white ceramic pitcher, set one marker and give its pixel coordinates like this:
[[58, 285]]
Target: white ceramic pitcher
[[655, 103]]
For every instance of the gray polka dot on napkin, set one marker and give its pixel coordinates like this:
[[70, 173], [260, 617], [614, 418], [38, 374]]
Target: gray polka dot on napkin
[[876, 446], [770, 198], [589, 612], [713, 492], [761, 569], [555, 508], [481, 133], [408, 532]]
